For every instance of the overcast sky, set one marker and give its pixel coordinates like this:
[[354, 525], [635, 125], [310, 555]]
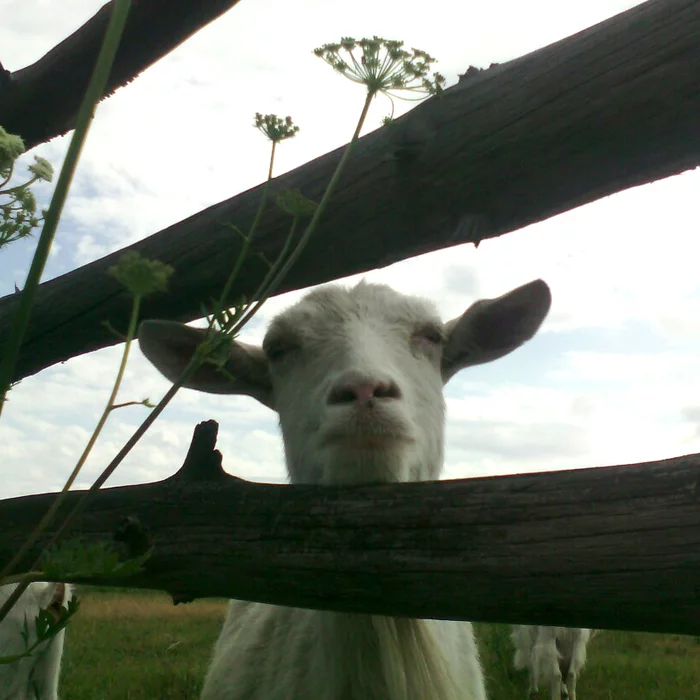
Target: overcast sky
[[612, 377]]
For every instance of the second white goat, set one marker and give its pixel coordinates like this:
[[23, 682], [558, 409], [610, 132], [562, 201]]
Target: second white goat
[[33, 677], [553, 656], [356, 376]]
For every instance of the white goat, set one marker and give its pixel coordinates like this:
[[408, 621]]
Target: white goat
[[554, 656], [34, 677], [356, 376]]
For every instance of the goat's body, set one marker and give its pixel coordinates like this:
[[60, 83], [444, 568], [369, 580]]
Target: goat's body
[[356, 376], [266, 652], [554, 656], [33, 677]]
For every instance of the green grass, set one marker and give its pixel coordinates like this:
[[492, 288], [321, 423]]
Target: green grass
[[621, 666], [127, 645]]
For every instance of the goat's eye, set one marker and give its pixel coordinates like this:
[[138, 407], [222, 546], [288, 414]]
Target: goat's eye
[[278, 349], [431, 334]]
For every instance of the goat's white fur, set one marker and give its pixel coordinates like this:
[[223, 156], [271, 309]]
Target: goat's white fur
[[34, 677], [317, 359], [553, 656]]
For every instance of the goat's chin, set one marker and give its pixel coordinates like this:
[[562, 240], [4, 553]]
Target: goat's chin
[[366, 459]]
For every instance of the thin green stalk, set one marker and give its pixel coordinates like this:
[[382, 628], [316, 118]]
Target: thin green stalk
[[23, 583], [265, 285], [263, 291], [48, 517], [13, 598], [243, 254], [9, 176], [106, 473], [128, 403], [325, 199], [23, 580], [266, 290], [13, 658], [128, 446], [19, 187], [141, 430], [272, 161], [199, 356], [93, 93], [29, 576]]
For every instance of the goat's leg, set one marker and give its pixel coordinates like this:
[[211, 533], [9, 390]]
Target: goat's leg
[[556, 686], [571, 685], [533, 688]]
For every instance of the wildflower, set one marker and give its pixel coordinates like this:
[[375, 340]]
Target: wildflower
[[17, 202], [11, 147], [275, 128], [384, 66], [42, 169], [141, 276], [25, 199], [17, 215]]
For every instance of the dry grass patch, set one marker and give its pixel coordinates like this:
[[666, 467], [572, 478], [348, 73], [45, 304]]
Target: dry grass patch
[[137, 606], [131, 645]]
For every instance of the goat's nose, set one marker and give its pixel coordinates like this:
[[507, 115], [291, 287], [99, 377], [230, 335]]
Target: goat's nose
[[363, 391]]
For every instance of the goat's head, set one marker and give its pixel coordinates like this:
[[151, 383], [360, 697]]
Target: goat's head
[[356, 375]]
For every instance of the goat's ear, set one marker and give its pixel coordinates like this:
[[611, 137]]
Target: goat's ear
[[170, 345], [491, 328]]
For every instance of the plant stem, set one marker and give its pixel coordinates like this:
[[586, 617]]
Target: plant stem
[[9, 175], [48, 517], [311, 227], [272, 161], [106, 473], [127, 403], [265, 290], [243, 254], [109, 470], [199, 355], [94, 92], [19, 187], [128, 446]]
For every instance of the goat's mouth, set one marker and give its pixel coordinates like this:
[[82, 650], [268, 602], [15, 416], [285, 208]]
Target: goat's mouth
[[356, 437], [365, 441]]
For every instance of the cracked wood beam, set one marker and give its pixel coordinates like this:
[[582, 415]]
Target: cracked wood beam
[[42, 100], [611, 548], [611, 107]]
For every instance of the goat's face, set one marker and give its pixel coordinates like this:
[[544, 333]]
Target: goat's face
[[357, 383], [356, 375]]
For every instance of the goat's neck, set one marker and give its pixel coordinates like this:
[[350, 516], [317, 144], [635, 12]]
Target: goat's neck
[[377, 658]]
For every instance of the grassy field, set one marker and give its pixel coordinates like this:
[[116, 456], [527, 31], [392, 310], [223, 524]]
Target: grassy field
[[138, 646]]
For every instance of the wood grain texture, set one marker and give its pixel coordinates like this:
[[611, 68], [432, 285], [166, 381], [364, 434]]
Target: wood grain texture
[[606, 109], [615, 547], [42, 100]]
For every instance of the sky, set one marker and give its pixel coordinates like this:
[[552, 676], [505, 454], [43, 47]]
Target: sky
[[612, 377]]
